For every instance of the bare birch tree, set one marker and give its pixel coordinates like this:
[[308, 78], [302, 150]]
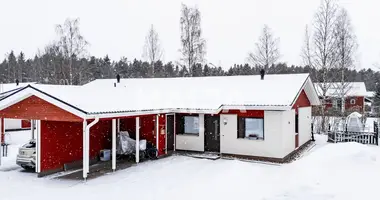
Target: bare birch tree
[[320, 50], [73, 45], [345, 49], [307, 53], [267, 50], [193, 45], [152, 48]]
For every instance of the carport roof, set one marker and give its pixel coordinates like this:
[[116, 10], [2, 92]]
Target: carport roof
[[196, 94]]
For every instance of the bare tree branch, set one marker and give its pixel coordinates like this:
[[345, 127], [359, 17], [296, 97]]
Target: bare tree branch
[[324, 44], [345, 48], [267, 51], [193, 45], [152, 48], [72, 44]]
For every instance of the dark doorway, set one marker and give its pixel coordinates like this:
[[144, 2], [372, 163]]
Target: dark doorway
[[170, 132], [212, 133]]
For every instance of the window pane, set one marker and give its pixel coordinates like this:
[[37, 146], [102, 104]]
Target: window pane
[[254, 128], [191, 125]]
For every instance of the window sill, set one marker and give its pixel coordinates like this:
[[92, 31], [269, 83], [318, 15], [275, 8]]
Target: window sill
[[188, 134], [252, 139]]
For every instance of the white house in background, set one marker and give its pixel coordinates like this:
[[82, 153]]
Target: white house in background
[[13, 124]]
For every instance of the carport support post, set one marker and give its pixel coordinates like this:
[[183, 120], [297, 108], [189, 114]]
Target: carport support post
[[84, 150], [1, 138], [32, 128], [113, 144], [137, 139]]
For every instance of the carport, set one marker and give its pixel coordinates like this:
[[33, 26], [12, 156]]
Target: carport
[[66, 133]]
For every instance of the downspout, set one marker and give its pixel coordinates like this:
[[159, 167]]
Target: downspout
[[88, 143]]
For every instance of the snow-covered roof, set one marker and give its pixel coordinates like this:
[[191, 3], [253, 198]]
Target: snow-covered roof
[[5, 87], [335, 89], [276, 92], [370, 94]]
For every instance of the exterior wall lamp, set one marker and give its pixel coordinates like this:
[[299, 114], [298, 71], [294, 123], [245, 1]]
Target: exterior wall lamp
[[225, 121]]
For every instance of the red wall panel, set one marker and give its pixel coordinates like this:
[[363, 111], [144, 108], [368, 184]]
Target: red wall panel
[[62, 142], [147, 127], [100, 137], [247, 113], [128, 124], [25, 123], [36, 108], [162, 135], [359, 103], [302, 101]]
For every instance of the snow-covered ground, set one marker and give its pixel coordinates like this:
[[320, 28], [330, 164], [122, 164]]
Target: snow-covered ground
[[328, 171]]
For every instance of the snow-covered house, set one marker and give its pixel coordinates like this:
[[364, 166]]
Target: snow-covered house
[[13, 124], [250, 116], [354, 94]]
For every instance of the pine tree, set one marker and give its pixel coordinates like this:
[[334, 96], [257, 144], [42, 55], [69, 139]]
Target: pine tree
[[376, 99], [21, 74]]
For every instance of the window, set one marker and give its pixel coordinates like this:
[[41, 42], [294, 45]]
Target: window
[[187, 124], [352, 101], [251, 128], [191, 125], [296, 123], [335, 103]]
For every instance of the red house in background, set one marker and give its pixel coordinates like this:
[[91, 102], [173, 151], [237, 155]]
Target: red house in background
[[354, 94]]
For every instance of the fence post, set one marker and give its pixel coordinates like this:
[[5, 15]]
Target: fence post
[[312, 132], [376, 129]]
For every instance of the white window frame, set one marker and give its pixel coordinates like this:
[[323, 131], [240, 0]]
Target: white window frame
[[352, 101]]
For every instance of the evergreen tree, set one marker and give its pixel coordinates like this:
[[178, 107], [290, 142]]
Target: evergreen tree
[[376, 99], [11, 68]]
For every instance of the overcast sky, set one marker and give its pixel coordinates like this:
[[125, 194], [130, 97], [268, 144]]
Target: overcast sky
[[231, 28]]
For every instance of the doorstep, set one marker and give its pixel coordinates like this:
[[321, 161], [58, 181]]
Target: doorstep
[[200, 155]]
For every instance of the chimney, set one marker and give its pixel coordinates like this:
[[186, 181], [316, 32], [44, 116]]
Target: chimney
[[262, 74], [17, 82], [118, 78]]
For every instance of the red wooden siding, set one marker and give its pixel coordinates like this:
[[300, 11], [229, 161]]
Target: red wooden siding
[[147, 128], [100, 137], [25, 123], [302, 101], [62, 142], [2, 130], [247, 113], [162, 135], [36, 108], [128, 124], [359, 103]]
